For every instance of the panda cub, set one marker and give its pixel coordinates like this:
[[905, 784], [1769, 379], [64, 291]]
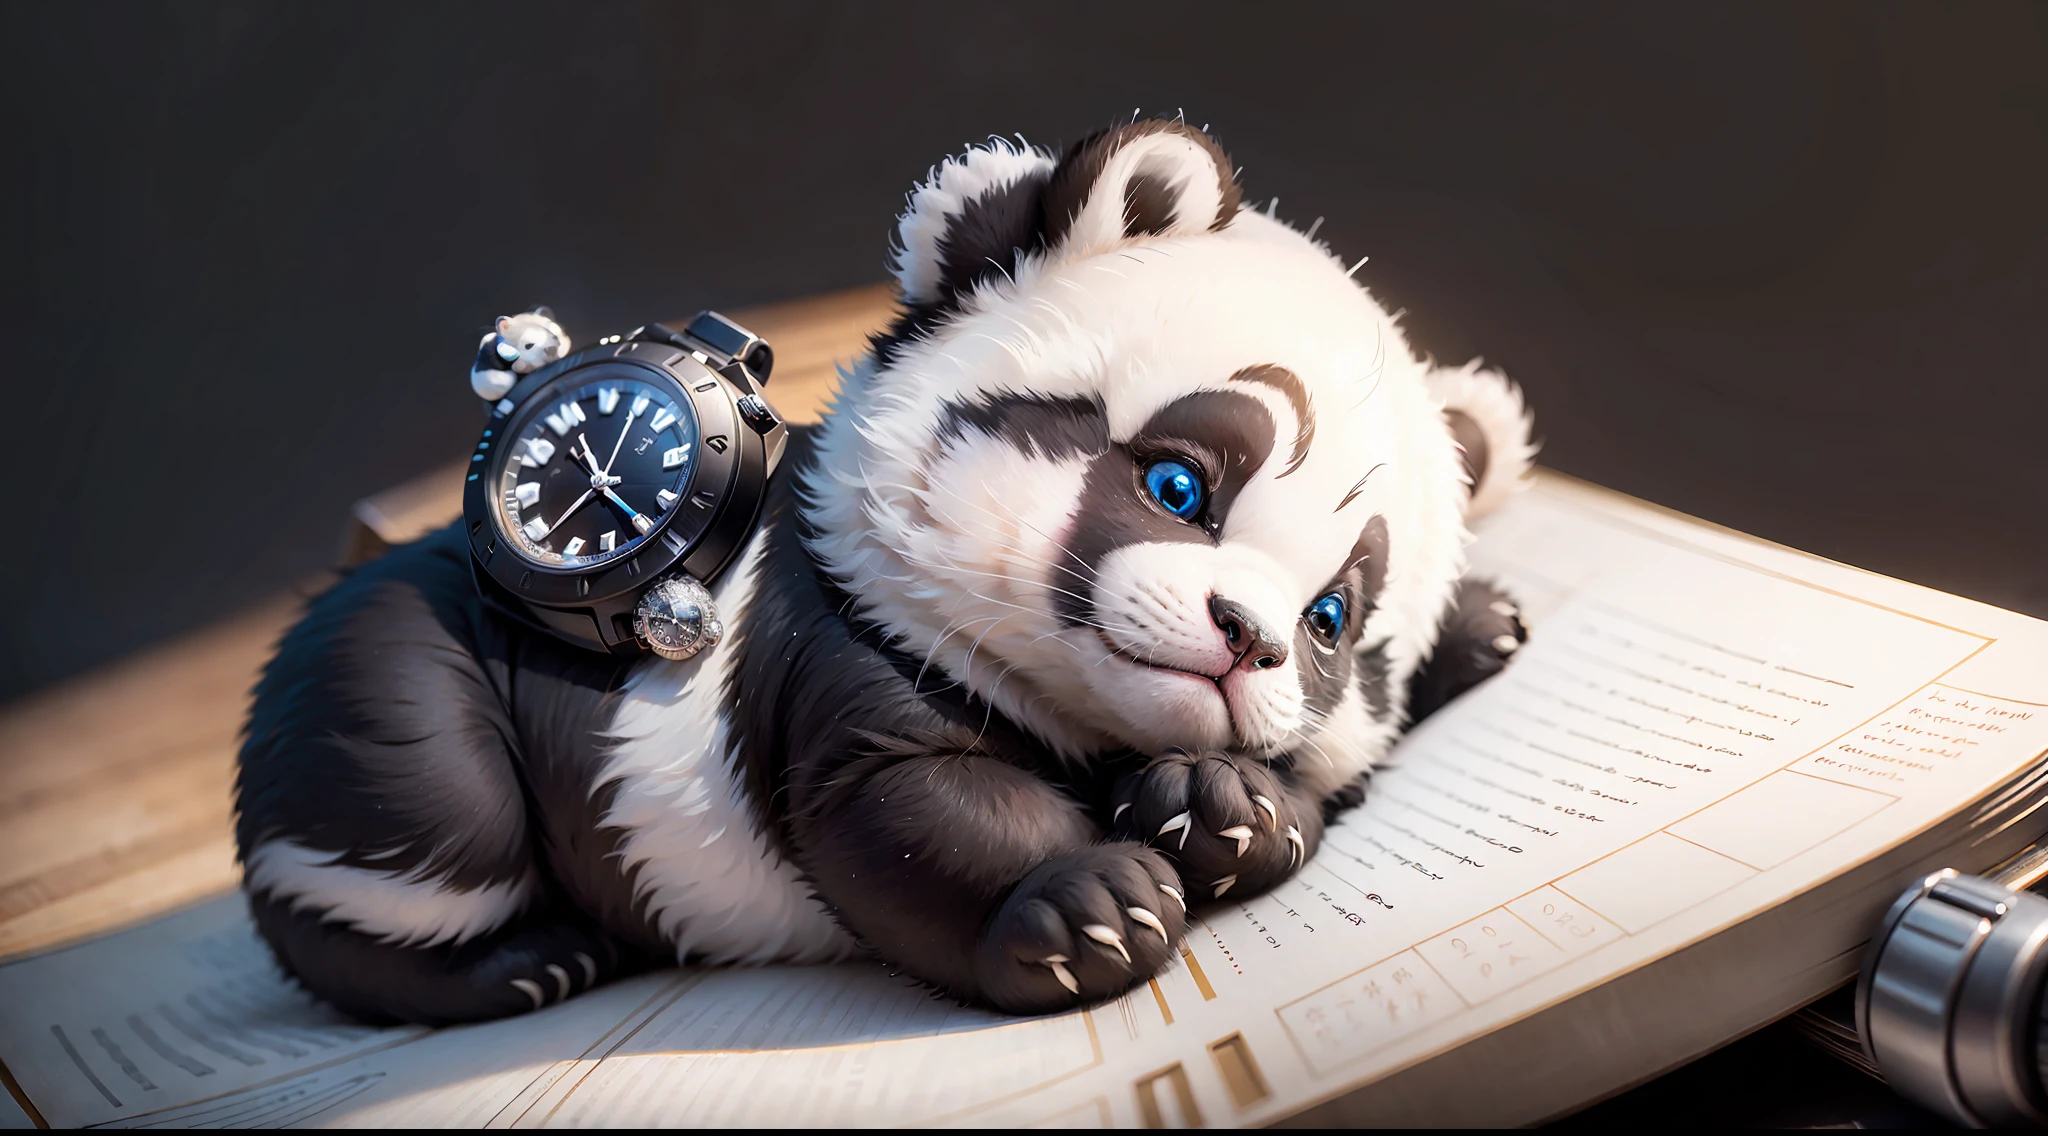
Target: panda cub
[[1121, 557], [515, 345]]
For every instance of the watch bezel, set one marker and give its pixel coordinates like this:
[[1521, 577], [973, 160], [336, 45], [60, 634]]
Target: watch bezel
[[680, 531]]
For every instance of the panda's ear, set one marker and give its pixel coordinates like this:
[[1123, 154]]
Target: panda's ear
[[968, 221], [1152, 177], [1491, 425]]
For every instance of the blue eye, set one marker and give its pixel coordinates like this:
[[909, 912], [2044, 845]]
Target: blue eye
[[1326, 618], [1175, 487]]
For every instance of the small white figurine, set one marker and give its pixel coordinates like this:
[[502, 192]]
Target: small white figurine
[[519, 345]]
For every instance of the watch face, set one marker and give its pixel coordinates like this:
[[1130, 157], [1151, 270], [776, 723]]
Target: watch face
[[589, 470]]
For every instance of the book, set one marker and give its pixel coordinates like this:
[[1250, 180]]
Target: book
[[1675, 818]]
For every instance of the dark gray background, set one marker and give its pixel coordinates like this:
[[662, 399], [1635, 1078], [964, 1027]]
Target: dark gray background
[[1777, 265]]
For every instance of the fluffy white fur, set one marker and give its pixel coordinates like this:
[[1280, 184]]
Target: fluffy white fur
[[713, 883], [405, 908], [960, 553]]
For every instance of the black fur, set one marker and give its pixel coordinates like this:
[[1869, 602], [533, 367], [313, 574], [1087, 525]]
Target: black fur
[[402, 727], [1225, 435], [989, 234], [1289, 384], [1350, 795], [380, 983], [1467, 651], [1053, 428], [1472, 448], [1220, 793]]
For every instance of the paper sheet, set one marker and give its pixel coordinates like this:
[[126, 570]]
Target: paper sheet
[[1700, 726]]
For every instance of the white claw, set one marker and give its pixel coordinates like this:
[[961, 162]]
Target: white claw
[[531, 989], [1179, 822], [1300, 846], [1272, 813], [1107, 937], [1223, 885], [1119, 812], [589, 969], [1240, 833], [1149, 920], [1502, 608], [1058, 963], [1177, 897], [1506, 644], [561, 979]]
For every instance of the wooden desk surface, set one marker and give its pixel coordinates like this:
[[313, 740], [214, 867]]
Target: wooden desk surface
[[115, 788]]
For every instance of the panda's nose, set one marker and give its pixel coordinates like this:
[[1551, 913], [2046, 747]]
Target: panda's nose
[[1257, 646]]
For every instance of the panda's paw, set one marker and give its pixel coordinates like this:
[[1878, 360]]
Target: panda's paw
[[490, 384], [1082, 927], [1228, 821], [1481, 632]]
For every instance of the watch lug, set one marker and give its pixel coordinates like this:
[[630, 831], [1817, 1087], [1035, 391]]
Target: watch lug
[[731, 343]]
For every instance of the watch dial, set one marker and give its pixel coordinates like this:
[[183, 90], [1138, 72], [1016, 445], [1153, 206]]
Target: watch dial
[[588, 472]]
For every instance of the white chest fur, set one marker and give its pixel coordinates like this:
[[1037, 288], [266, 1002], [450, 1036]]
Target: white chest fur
[[714, 885]]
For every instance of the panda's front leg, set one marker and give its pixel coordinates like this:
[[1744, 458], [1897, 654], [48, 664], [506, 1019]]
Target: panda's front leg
[[1235, 825], [1482, 630], [978, 877]]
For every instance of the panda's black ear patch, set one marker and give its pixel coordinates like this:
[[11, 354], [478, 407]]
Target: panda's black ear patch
[[968, 221], [1472, 447], [1152, 177], [985, 237]]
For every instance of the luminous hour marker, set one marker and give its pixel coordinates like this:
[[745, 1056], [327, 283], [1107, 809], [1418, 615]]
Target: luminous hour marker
[[640, 402], [676, 457], [540, 450], [641, 522], [607, 399], [573, 547], [666, 499], [662, 421], [528, 494], [566, 417], [535, 529], [608, 541]]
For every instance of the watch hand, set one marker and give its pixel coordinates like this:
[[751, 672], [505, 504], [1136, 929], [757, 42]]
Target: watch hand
[[623, 431], [568, 511], [589, 458], [640, 522]]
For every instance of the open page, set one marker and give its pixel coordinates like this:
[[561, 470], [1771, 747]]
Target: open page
[[1701, 726]]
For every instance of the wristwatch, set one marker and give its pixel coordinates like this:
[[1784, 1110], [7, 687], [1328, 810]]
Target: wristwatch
[[611, 486]]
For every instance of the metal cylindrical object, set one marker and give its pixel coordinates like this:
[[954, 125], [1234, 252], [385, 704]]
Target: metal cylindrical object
[[677, 618], [1949, 1005]]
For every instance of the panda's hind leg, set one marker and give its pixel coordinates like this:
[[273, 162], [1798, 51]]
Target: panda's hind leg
[[383, 827], [1482, 629], [530, 963]]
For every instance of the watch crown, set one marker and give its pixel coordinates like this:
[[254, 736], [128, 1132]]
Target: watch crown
[[677, 618], [754, 409]]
